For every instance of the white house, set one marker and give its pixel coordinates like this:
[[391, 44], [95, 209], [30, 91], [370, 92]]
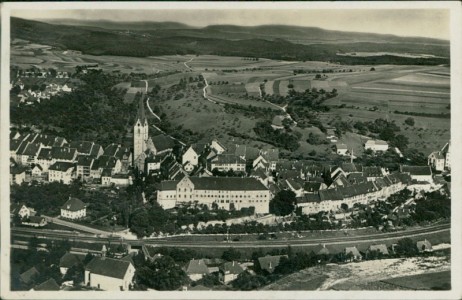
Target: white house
[[218, 147], [25, 212], [17, 175], [229, 271], [61, 171], [109, 274], [341, 149], [190, 156], [440, 160], [227, 162], [376, 145], [74, 209]]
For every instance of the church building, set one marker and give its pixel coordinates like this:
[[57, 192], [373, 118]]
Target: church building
[[140, 137]]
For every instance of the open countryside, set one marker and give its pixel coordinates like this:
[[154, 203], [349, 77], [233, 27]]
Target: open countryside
[[227, 158]]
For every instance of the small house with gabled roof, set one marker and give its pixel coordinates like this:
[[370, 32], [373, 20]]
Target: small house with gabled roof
[[196, 269], [229, 271], [109, 274], [269, 263]]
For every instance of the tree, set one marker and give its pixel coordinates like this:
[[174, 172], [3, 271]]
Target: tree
[[406, 247], [163, 274], [247, 282], [283, 203], [209, 280], [409, 121], [231, 254]]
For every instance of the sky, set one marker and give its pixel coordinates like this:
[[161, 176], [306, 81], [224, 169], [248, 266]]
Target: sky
[[433, 23]]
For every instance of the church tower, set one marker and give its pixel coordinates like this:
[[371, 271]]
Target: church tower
[[140, 137]]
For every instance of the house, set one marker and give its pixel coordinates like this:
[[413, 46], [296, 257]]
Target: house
[[106, 175], [23, 211], [34, 221], [161, 144], [153, 163], [74, 209], [271, 156], [63, 154], [269, 263], [218, 147], [440, 160], [61, 171], [44, 159], [424, 246], [29, 276], [341, 149], [322, 249], [196, 269], [260, 163], [376, 145], [36, 171], [48, 285], [121, 179], [353, 253], [27, 153], [192, 154], [68, 260], [261, 175], [227, 162], [381, 248], [277, 122], [109, 274], [17, 175], [418, 173], [121, 154], [372, 173], [224, 192], [84, 164], [295, 186], [229, 271]]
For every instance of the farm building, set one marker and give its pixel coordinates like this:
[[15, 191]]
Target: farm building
[[376, 145], [341, 149]]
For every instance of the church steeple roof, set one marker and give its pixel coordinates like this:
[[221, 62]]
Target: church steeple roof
[[141, 115]]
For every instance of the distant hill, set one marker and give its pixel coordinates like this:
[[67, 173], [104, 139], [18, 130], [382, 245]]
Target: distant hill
[[272, 41], [120, 25]]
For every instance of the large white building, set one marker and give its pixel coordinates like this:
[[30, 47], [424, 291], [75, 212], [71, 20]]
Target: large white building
[[224, 192], [74, 209]]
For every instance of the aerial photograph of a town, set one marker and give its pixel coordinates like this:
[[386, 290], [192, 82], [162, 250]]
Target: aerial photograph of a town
[[229, 150]]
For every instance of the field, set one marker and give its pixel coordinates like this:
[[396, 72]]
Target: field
[[24, 54], [363, 94]]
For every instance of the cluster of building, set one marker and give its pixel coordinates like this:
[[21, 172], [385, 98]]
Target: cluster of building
[[48, 158]]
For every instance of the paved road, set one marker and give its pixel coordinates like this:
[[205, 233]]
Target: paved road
[[372, 238]]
